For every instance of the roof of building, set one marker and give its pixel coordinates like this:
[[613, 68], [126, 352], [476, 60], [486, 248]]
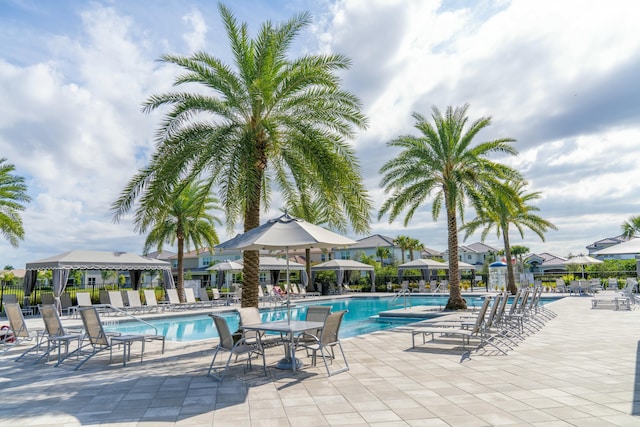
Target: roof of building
[[428, 253], [547, 259], [373, 241], [608, 241], [478, 248]]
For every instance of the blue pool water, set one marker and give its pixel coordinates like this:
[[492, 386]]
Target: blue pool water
[[361, 317]]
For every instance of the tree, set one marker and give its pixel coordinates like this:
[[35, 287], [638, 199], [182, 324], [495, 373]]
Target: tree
[[13, 195], [518, 251], [631, 228], [186, 220], [443, 162], [315, 211], [107, 274], [382, 252], [502, 210], [414, 245], [266, 122], [404, 242]]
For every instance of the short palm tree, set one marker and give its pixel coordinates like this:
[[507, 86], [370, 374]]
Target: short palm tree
[[383, 252], [267, 122], [187, 220], [414, 245], [631, 228], [503, 210], [404, 243], [13, 195], [443, 163]]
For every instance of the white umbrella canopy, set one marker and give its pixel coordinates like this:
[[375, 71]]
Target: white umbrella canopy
[[226, 265], [289, 233], [582, 260], [424, 263]]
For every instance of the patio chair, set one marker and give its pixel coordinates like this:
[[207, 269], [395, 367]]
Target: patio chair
[[250, 316], [326, 342], [237, 348], [66, 305], [315, 313], [116, 302], [99, 340]]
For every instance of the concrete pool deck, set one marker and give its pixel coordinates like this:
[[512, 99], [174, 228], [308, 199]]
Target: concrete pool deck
[[581, 369]]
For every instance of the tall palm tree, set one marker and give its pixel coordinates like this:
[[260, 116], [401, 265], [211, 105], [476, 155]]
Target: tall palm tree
[[503, 210], [187, 220], [108, 274], [404, 243], [13, 195], [264, 123], [442, 162], [631, 228]]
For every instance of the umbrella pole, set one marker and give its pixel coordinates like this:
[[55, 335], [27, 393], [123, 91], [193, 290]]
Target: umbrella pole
[[288, 288]]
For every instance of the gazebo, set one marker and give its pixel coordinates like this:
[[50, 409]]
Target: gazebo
[[63, 263], [343, 268]]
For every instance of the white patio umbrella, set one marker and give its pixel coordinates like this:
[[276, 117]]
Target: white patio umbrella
[[289, 233], [582, 260]]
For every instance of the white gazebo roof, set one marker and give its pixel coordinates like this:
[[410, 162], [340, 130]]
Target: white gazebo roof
[[98, 260]]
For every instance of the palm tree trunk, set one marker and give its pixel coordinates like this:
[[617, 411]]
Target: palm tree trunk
[[456, 302], [251, 270], [511, 277], [180, 283]]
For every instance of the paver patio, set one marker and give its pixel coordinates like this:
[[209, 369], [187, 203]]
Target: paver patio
[[581, 369]]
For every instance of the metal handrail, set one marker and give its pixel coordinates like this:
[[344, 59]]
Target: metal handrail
[[136, 318], [400, 293]]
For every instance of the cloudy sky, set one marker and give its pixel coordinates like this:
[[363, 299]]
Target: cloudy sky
[[562, 78]]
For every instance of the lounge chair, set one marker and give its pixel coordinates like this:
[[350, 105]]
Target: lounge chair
[[326, 342], [55, 335], [475, 330], [134, 302], [238, 348], [561, 286], [13, 299], [18, 332], [190, 298], [206, 301], [100, 341], [151, 302], [174, 300]]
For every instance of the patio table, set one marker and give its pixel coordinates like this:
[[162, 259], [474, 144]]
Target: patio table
[[290, 328]]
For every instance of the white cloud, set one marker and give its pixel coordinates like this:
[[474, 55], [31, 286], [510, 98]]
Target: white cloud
[[560, 77], [196, 39]]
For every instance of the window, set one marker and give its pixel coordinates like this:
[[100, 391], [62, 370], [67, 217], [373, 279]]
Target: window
[[469, 256], [206, 261], [91, 281]]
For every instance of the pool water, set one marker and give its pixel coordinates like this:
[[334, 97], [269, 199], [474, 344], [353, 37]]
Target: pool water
[[361, 318]]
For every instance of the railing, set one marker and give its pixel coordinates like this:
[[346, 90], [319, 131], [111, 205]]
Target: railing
[[136, 318], [402, 293]]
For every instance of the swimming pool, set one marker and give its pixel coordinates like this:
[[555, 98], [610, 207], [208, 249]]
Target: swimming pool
[[361, 318]]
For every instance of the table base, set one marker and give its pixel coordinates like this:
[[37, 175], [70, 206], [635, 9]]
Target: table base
[[285, 363]]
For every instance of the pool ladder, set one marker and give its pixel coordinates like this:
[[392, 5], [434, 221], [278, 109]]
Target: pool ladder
[[108, 322], [404, 293]]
